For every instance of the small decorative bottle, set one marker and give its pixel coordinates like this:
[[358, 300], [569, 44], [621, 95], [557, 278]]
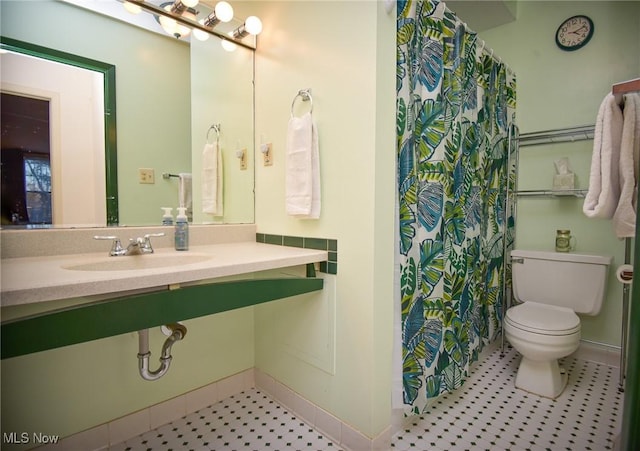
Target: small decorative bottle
[[182, 230], [563, 240], [167, 217]]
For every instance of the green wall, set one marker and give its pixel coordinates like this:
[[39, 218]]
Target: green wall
[[558, 89], [345, 52], [153, 94]]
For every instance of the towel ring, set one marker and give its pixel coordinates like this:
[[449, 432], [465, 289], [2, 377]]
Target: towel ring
[[216, 128], [305, 95]]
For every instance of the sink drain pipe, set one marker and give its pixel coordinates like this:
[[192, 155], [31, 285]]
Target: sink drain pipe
[[177, 332]]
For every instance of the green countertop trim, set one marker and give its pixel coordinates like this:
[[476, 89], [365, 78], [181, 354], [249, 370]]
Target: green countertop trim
[[132, 313]]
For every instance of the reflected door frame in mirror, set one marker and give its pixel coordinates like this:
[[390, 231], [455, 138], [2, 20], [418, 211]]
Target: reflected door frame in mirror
[[109, 75]]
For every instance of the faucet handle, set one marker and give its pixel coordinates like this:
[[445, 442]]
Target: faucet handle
[[108, 237], [116, 247], [147, 241], [149, 235]]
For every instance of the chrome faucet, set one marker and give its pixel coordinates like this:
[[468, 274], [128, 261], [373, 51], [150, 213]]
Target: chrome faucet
[[138, 246]]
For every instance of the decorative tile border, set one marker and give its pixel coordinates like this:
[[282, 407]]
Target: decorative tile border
[[323, 244]]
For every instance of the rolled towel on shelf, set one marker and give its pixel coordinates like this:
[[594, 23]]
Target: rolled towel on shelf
[[302, 184], [604, 185], [212, 180]]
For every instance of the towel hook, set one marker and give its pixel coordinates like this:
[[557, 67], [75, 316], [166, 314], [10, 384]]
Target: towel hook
[[216, 128], [305, 95]]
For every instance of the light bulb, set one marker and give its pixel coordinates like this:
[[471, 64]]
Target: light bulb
[[189, 3], [253, 25], [228, 45], [172, 27], [168, 24], [199, 34], [132, 8], [182, 31], [224, 11]]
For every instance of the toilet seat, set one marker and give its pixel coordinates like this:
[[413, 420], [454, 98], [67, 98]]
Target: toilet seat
[[543, 319]]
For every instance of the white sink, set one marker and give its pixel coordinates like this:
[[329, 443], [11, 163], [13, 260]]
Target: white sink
[[137, 262]]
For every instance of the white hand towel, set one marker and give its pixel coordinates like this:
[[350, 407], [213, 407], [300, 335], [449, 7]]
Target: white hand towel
[[604, 185], [302, 185], [185, 198], [212, 180], [624, 219]]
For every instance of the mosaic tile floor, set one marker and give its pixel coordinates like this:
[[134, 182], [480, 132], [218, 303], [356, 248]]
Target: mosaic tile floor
[[487, 413], [249, 421]]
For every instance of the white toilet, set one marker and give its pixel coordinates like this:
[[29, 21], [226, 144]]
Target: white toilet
[[550, 288]]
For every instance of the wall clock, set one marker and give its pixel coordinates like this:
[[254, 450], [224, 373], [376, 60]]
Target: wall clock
[[574, 33]]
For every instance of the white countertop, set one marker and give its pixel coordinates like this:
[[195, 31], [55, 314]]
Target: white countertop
[[36, 279]]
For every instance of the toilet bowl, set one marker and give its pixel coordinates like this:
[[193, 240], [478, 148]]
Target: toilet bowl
[[550, 288], [542, 334]]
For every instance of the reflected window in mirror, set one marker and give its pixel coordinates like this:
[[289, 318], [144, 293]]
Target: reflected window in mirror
[[37, 187]]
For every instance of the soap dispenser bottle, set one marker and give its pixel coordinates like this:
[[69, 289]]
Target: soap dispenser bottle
[[167, 217], [182, 230]]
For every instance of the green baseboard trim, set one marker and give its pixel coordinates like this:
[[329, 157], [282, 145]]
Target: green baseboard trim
[[132, 313]]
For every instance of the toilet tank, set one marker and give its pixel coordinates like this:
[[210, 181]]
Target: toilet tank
[[575, 281]]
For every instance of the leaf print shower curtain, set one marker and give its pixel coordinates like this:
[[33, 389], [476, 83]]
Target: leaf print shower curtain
[[454, 107]]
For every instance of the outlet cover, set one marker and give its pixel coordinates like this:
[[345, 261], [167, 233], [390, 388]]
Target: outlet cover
[[146, 175]]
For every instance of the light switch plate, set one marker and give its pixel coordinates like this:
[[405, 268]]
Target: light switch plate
[[146, 175], [267, 154], [242, 155]]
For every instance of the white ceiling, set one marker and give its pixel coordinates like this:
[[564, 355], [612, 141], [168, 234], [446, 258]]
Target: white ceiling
[[482, 15]]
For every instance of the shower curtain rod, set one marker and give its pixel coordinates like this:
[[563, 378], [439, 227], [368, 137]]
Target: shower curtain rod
[[489, 51]]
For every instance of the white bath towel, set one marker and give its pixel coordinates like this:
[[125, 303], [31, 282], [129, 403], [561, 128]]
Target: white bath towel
[[185, 197], [212, 180], [302, 184], [624, 218], [604, 185]]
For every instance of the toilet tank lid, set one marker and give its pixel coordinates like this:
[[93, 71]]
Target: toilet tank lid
[[563, 256]]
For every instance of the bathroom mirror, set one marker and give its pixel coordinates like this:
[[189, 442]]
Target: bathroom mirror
[[168, 95]]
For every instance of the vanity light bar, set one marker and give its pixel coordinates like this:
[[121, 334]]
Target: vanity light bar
[[179, 7], [189, 23]]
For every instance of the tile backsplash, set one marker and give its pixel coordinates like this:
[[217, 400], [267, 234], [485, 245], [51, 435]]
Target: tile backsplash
[[323, 244]]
